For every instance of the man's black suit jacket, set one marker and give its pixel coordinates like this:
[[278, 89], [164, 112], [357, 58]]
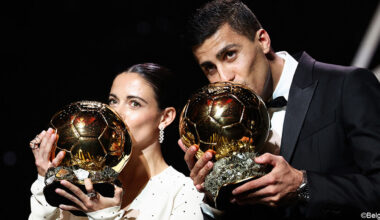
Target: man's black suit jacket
[[331, 130]]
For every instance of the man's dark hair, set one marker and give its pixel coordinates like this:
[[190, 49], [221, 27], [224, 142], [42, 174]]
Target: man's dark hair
[[209, 18]]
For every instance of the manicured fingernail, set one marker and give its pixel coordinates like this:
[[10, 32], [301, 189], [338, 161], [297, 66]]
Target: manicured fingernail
[[209, 164], [199, 187], [208, 155], [49, 130], [212, 152]]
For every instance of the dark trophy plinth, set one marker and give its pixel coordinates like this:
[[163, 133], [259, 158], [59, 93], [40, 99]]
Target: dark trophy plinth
[[232, 122], [97, 145]]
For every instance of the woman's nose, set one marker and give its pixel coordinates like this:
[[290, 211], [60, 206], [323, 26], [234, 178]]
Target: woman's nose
[[120, 111]]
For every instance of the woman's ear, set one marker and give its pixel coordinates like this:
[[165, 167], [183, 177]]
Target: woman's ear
[[168, 116]]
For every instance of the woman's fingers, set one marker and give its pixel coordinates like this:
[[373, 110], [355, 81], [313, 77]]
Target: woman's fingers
[[85, 202], [88, 185], [76, 190], [35, 143], [68, 208], [46, 141], [58, 158], [50, 141], [118, 194], [71, 197]]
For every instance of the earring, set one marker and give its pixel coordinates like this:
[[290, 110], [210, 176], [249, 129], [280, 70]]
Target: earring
[[161, 137]]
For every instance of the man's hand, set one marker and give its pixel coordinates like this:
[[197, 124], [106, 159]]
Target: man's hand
[[274, 188], [198, 168]]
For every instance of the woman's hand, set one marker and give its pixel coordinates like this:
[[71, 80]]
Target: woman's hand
[[90, 202], [42, 146]]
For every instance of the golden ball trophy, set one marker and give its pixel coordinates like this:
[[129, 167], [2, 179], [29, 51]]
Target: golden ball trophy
[[97, 144], [232, 122]]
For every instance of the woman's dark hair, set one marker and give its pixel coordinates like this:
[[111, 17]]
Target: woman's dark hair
[[209, 18], [162, 81]]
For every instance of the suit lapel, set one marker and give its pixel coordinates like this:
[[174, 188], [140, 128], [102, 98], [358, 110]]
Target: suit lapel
[[300, 95]]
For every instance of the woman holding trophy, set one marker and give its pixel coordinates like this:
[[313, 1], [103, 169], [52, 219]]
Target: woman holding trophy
[[150, 188]]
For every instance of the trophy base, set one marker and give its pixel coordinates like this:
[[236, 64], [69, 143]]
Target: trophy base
[[229, 173], [105, 189], [222, 200]]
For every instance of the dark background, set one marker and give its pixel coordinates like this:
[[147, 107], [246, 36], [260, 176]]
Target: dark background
[[57, 52]]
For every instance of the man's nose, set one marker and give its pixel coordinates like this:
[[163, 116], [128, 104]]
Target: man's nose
[[226, 75]]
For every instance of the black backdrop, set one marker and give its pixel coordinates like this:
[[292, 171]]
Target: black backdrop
[[57, 52]]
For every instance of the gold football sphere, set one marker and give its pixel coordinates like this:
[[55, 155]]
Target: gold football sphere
[[92, 134], [224, 118]]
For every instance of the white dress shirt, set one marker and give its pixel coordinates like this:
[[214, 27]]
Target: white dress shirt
[[282, 89]]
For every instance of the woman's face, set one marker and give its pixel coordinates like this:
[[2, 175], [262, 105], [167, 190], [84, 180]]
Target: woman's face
[[134, 99]]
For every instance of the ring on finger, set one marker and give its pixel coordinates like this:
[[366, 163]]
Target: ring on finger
[[38, 139], [33, 145], [92, 195]]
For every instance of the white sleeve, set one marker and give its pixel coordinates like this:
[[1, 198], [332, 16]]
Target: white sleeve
[[111, 213], [40, 209], [187, 204]]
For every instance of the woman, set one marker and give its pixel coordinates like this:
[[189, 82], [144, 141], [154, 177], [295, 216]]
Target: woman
[[151, 189]]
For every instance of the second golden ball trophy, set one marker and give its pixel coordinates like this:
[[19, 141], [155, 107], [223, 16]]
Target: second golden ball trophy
[[232, 122]]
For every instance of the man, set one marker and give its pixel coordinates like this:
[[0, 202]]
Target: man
[[328, 134]]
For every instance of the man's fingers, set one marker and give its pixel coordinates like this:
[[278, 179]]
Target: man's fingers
[[257, 193], [267, 158], [265, 195], [190, 156], [182, 146], [201, 168], [200, 178], [200, 187], [266, 200], [255, 184]]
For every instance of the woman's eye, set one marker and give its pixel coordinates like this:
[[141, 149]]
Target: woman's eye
[[135, 104], [111, 101]]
